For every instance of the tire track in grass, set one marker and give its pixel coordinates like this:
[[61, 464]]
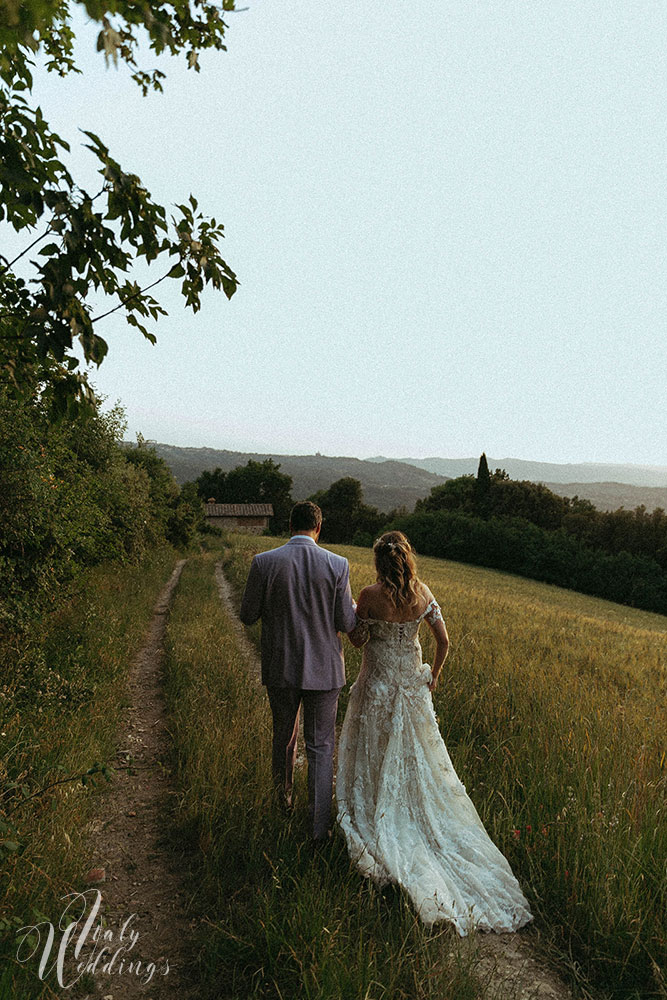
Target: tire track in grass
[[244, 645]]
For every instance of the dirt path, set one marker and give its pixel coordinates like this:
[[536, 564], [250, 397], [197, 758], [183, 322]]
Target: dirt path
[[507, 964], [142, 879], [245, 646]]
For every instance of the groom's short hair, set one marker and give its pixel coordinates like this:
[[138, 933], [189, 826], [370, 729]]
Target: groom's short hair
[[305, 516]]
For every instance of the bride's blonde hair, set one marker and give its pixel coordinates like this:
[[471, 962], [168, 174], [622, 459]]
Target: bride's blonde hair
[[397, 569]]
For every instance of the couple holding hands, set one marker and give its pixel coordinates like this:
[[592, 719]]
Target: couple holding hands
[[404, 813]]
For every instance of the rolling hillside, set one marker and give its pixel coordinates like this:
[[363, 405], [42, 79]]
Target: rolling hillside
[[608, 487], [546, 472], [552, 706], [611, 496], [386, 484]]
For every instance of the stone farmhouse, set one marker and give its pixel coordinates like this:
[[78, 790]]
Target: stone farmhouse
[[247, 518]]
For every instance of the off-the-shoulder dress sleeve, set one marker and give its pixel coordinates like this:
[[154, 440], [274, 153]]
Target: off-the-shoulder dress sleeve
[[433, 613], [360, 631]]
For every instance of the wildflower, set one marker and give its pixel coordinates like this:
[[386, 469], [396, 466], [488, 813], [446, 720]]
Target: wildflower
[[516, 834]]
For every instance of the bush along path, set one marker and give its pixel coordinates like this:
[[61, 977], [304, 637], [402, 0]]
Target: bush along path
[[506, 966], [137, 875]]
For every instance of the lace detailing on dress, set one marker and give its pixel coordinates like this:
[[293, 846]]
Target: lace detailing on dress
[[361, 631], [404, 812], [433, 613]]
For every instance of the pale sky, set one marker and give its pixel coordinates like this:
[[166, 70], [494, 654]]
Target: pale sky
[[448, 219]]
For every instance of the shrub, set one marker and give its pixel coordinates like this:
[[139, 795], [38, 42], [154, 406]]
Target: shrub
[[518, 546]]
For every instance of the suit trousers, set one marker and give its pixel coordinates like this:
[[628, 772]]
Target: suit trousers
[[319, 718]]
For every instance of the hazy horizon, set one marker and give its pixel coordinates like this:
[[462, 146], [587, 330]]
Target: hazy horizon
[[403, 458]]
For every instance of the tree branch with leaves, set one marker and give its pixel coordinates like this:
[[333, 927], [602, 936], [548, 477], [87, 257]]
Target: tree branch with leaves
[[95, 242]]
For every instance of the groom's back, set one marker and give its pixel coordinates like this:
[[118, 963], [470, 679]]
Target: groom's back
[[302, 594]]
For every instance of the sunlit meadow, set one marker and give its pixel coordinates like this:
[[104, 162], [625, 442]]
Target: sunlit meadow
[[282, 922], [553, 707]]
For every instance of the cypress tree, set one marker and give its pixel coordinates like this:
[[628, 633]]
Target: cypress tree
[[483, 475], [483, 488]]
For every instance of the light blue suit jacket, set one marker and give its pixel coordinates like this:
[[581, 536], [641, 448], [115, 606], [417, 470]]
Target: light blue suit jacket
[[302, 594]]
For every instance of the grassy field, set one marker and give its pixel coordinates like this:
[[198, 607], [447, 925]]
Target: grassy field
[[62, 683], [282, 922], [553, 707]]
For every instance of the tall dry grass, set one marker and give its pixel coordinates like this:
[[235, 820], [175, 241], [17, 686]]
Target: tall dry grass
[[62, 683], [553, 707], [282, 921]]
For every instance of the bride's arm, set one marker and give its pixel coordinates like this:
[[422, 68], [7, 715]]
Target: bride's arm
[[359, 634], [436, 623], [439, 630]]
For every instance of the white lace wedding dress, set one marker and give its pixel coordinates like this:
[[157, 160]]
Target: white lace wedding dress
[[405, 815]]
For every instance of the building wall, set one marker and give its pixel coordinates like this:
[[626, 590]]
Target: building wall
[[244, 525]]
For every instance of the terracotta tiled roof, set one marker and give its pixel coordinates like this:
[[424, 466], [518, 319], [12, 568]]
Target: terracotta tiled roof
[[239, 509]]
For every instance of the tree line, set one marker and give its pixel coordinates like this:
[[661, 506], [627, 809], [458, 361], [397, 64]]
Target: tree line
[[522, 527], [488, 520], [494, 495], [345, 516], [72, 495]]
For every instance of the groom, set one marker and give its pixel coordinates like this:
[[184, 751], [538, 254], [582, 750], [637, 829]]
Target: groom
[[302, 594]]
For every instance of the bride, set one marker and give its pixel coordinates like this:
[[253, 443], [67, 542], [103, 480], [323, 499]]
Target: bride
[[405, 815]]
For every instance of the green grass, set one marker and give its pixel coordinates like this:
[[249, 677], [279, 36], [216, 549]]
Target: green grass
[[282, 922], [62, 683], [553, 708]]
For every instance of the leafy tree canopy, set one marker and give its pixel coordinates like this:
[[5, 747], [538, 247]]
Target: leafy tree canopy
[[345, 515], [256, 482], [455, 494], [636, 532], [72, 496], [497, 495], [85, 246]]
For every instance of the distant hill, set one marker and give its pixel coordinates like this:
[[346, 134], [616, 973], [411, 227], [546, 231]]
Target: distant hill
[[389, 483], [386, 484], [546, 472], [611, 496]]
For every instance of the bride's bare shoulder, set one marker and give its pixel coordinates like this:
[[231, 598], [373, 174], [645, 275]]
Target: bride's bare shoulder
[[368, 601], [425, 597]]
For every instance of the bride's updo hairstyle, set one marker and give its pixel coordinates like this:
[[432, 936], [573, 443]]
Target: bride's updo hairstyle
[[397, 569]]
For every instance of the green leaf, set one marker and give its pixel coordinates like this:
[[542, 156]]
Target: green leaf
[[103, 238]]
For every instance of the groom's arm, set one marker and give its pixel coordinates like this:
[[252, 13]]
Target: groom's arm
[[251, 602], [345, 617], [360, 634]]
